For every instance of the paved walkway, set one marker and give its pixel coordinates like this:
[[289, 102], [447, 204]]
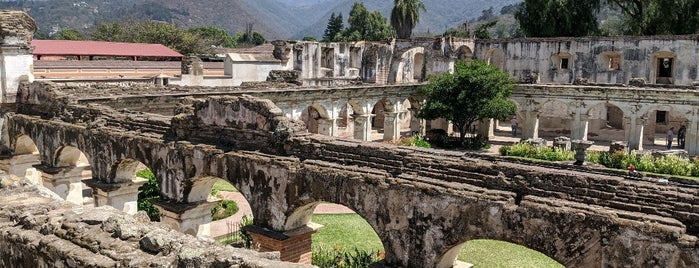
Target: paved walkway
[[502, 137]]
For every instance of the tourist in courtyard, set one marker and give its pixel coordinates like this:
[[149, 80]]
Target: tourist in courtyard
[[513, 124], [670, 134], [681, 133]]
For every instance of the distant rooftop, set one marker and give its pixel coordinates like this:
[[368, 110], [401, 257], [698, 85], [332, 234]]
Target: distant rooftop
[[99, 48]]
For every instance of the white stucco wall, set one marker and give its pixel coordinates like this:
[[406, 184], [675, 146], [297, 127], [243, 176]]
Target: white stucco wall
[[14, 67]]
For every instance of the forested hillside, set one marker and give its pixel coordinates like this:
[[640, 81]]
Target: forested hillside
[[276, 19]]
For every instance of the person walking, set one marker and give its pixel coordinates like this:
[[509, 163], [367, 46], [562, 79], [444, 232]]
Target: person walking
[[670, 134], [681, 133], [513, 124]]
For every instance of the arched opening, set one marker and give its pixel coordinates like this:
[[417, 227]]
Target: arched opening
[[554, 120], [414, 123], [311, 116], [464, 53], [662, 121], [129, 178], [228, 211], [25, 156], [495, 253], [496, 57], [345, 127], [605, 123], [418, 67], [68, 183], [378, 121], [344, 235], [148, 192]]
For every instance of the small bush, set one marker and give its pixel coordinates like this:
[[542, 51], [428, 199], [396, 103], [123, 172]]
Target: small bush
[[224, 209], [673, 165], [415, 140], [147, 192], [543, 153], [339, 258], [695, 167]]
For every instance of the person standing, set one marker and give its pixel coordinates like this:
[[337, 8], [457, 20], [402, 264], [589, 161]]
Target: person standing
[[681, 133], [513, 124], [670, 134]]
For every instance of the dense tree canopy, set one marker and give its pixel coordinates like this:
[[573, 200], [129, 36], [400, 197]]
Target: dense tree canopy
[[405, 15], [68, 34], [361, 25], [214, 36], [334, 30], [652, 17], [475, 91], [547, 18]]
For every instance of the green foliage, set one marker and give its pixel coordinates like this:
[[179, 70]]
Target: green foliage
[[655, 17], [334, 29], [673, 165], [493, 253], [365, 25], [309, 38], [550, 18], [224, 209], [250, 37], [167, 34], [415, 140], [247, 237], [337, 257], [481, 31], [146, 193], [68, 34], [474, 92], [527, 150], [405, 15], [214, 36]]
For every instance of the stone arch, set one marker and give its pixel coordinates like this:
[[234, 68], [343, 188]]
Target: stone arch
[[381, 106], [605, 122], [403, 68], [311, 115], [554, 118], [125, 170], [25, 145], [663, 69], [344, 122], [496, 57], [660, 118], [75, 167], [70, 156], [200, 189], [464, 53]]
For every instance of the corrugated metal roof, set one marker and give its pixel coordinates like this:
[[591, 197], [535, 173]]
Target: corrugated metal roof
[[98, 48], [252, 57]]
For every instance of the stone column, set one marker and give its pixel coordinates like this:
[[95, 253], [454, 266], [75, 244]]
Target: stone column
[[692, 135], [579, 127], [634, 132], [486, 128], [293, 246], [327, 127], [21, 165], [189, 218], [530, 128], [66, 182], [362, 127], [122, 196], [391, 126]]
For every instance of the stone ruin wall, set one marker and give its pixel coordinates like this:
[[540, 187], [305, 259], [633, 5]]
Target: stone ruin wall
[[38, 229]]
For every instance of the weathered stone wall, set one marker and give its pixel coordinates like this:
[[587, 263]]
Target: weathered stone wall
[[38, 229], [588, 58]]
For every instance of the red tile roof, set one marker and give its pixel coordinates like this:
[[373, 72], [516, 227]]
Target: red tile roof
[[98, 48]]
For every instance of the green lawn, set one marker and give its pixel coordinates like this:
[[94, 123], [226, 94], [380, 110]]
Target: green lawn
[[350, 230], [221, 185]]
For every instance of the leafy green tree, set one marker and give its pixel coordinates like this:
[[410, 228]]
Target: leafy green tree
[[653, 17], [549, 18], [405, 15], [152, 32], [481, 31], [111, 32], [365, 25], [68, 34], [335, 26], [214, 36], [250, 37], [475, 91], [147, 193]]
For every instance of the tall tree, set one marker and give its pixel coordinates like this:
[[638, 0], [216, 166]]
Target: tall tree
[[365, 25], [547, 18], [214, 36], [475, 91], [405, 15], [68, 34], [335, 26], [652, 17]]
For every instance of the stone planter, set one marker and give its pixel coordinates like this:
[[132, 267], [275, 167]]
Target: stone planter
[[580, 147]]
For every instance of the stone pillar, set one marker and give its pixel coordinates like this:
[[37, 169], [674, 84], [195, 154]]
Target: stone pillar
[[189, 218], [66, 182], [634, 132], [530, 128], [21, 165], [293, 246], [391, 126], [362, 127], [579, 127], [486, 128], [327, 127], [692, 136], [122, 196]]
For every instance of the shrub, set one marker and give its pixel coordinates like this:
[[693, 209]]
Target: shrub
[[695, 167], [148, 192], [673, 165], [415, 140], [543, 153], [224, 209], [339, 258], [646, 163]]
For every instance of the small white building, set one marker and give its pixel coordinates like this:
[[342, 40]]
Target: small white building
[[250, 67]]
